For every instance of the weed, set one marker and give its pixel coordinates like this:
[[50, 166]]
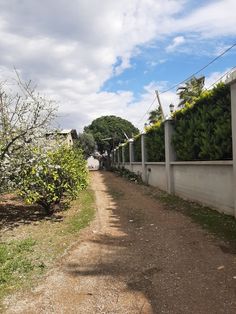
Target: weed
[[220, 224], [85, 215], [125, 173], [15, 263]]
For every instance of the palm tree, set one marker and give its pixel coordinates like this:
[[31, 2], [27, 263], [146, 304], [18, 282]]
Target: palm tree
[[192, 89], [155, 115]]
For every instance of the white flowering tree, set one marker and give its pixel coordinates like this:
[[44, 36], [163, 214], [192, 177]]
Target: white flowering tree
[[24, 118]]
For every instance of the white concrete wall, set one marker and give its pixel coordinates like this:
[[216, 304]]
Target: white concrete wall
[[156, 175], [210, 183], [137, 167], [207, 182], [128, 166]]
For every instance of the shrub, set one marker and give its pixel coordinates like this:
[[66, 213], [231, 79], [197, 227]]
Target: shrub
[[137, 148], [120, 153], [155, 142], [203, 130], [126, 151], [51, 176]]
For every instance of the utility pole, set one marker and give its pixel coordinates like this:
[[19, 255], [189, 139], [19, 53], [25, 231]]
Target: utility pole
[[159, 102]]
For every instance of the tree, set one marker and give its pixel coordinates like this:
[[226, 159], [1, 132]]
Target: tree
[[51, 175], [25, 116], [192, 89], [155, 116], [109, 131], [87, 142]]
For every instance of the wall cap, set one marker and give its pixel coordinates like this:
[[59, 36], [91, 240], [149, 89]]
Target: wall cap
[[231, 78], [203, 162]]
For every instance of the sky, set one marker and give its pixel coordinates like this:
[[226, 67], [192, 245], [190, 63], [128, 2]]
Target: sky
[[107, 57]]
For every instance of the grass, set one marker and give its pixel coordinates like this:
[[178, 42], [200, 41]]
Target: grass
[[221, 225], [25, 260], [16, 264], [86, 214]]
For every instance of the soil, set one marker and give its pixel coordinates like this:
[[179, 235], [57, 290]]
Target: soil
[[136, 257]]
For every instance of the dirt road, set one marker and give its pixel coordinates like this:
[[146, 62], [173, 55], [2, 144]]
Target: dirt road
[[137, 257]]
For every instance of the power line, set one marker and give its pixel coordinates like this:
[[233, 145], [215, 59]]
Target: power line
[[189, 77], [203, 68], [219, 79], [147, 110]]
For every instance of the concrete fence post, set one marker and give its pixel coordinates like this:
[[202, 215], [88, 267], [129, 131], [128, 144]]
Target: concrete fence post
[[143, 154], [232, 81], [169, 155]]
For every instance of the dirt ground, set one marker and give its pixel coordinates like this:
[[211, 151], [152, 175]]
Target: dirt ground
[[136, 257]]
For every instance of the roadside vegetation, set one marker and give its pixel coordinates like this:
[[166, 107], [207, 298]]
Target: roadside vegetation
[[29, 250], [219, 224], [44, 196]]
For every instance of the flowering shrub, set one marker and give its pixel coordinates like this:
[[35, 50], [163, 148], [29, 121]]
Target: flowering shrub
[[50, 176]]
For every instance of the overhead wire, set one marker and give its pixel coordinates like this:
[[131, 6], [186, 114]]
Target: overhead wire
[[219, 79], [147, 110], [189, 77], [197, 72]]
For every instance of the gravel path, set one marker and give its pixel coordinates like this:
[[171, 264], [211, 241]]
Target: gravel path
[[136, 257]]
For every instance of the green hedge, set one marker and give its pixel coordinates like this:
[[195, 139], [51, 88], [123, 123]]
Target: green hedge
[[120, 153], [155, 143], [203, 130], [137, 148], [126, 151]]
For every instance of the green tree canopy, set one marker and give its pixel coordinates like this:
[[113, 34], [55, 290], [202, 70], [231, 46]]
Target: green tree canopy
[[155, 116], [191, 90], [87, 142], [109, 131]]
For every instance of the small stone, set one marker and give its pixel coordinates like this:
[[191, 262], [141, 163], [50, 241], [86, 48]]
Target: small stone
[[131, 220], [234, 277], [220, 267]]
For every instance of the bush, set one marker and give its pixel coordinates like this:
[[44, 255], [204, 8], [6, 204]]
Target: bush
[[126, 151], [203, 130], [51, 176], [137, 148], [120, 154], [155, 143], [131, 176]]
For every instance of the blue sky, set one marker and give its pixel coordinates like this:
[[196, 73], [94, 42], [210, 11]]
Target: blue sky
[[156, 64], [107, 57]]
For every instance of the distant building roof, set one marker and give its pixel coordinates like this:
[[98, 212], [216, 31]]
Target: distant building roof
[[65, 131]]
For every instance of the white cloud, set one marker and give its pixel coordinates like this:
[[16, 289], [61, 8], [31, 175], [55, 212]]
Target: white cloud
[[70, 47], [214, 19], [177, 41], [216, 77]]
